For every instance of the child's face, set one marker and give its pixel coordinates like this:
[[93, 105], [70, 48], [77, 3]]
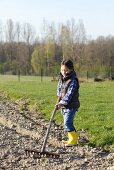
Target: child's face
[[64, 70]]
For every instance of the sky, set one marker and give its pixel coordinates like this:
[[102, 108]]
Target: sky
[[96, 15]]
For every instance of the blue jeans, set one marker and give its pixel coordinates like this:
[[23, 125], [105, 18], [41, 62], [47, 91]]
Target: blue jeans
[[68, 116]]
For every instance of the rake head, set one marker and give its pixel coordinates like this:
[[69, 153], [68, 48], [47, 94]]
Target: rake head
[[37, 154]]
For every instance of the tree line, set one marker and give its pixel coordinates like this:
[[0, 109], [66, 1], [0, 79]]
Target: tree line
[[23, 51]]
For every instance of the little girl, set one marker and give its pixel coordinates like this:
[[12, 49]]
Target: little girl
[[68, 99]]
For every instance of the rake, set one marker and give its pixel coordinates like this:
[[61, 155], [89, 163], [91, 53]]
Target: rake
[[43, 153]]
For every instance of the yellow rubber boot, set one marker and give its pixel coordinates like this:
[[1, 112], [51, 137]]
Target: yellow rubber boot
[[73, 139]]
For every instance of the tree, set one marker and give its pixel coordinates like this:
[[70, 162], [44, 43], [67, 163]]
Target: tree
[[38, 61], [1, 32], [10, 36], [48, 41], [28, 34], [72, 40], [64, 40]]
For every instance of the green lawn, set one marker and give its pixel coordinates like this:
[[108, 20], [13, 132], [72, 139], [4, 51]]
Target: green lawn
[[96, 114]]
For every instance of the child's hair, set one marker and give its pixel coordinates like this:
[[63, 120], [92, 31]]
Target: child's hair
[[68, 64]]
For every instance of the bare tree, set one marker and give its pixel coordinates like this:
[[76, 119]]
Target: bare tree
[[1, 32], [18, 32], [64, 41], [48, 41], [28, 34], [79, 43], [10, 32], [9, 37], [72, 40]]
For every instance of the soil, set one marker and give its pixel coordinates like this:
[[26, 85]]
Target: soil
[[22, 128]]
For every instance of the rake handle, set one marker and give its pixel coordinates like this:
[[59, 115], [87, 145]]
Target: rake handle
[[48, 130]]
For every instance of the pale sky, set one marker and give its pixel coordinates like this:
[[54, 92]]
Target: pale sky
[[97, 15]]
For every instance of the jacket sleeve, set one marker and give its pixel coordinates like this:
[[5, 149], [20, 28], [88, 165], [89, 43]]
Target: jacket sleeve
[[59, 89], [66, 99]]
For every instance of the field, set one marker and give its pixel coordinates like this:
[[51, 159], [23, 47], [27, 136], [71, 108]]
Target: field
[[95, 116]]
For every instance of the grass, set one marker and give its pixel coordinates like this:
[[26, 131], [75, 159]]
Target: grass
[[96, 114]]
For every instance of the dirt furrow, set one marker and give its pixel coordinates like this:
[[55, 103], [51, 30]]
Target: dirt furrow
[[20, 129]]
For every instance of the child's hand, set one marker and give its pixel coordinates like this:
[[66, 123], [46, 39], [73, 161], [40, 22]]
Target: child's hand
[[59, 106]]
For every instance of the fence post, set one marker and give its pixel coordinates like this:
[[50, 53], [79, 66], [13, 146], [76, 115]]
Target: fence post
[[41, 74], [87, 75]]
